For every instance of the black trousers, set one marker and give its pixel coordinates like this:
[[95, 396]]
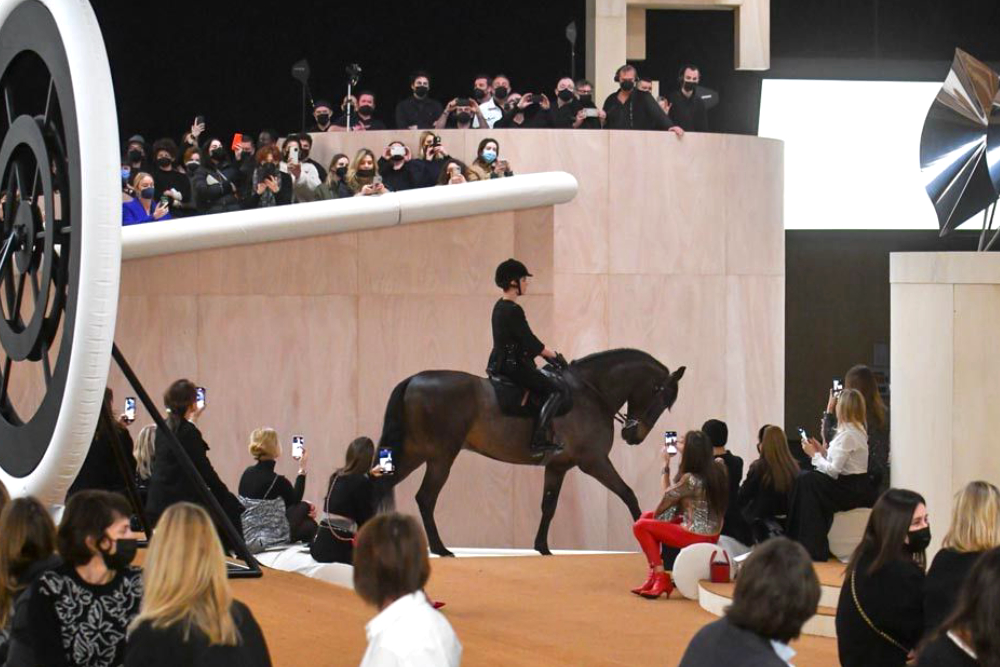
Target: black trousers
[[301, 527], [532, 379], [815, 499]]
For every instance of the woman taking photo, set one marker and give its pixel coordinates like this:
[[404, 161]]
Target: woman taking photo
[[766, 492], [863, 380], [691, 510], [188, 614], [216, 182], [361, 175], [141, 208], [880, 612], [350, 501], [975, 528], [269, 186], [260, 482], [101, 469], [488, 163], [839, 482], [335, 185]]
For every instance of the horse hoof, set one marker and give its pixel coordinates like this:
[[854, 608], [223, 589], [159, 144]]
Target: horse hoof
[[543, 549], [443, 553]]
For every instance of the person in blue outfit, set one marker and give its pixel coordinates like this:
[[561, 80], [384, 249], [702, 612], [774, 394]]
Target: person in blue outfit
[[141, 208]]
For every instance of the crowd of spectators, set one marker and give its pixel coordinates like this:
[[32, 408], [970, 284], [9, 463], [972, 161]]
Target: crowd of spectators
[[203, 174]]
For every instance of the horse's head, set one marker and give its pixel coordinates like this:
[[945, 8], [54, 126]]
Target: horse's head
[[647, 402]]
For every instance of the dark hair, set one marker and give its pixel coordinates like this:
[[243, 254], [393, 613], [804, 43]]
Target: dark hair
[[208, 151], [179, 397], [367, 92], [717, 432], [108, 427], [500, 75], [684, 68], [887, 527], [977, 612], [191, 151], [862, 378], [29, 536], [482, 75], [390, 559], [583, 82], [777, 591], [165, 144], [360, 457], [88, 514], [699, 460], [482, 145], [419, 73], [4, 496], [443, 178]]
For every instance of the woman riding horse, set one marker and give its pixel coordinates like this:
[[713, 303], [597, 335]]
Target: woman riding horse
[[515, 348]]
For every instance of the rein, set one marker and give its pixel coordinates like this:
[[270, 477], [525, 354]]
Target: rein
[[617, 415]]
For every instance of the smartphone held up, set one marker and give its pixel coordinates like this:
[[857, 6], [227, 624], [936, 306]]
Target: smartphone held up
[[129, 409], [298, 446], [385, 461], [670, 442], [200, 398]]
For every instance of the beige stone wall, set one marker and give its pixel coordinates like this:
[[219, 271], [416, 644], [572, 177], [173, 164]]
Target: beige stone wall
[[673, 246]]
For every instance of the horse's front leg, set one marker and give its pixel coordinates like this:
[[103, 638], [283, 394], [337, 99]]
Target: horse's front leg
[[604, 472], [554, 475]]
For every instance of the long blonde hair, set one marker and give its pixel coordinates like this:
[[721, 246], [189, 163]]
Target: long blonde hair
[[144, 450], [354, 182], [780, 469], [851, 409], [185, 578], [975, 519]]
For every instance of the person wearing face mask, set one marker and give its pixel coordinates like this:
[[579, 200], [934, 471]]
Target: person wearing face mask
[[631, 109], [585, 93], [880, 614], [323, 115], [687, 109], [488, 163], [460, 114], [191, 161], [397, 170], [491, 107], [569, 111], [335, 185], [418, 112], [305, 153], [361, 111], [269, 186], [135, 155], [305, 178], [530, 110], [215, 184], [169, 181], [144, 208], [482, 94], [361, 175], [79, 613]]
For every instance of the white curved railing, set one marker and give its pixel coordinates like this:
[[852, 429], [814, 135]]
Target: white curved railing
[[343, 215]]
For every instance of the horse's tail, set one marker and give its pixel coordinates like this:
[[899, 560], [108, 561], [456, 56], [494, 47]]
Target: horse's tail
[[393, 436]]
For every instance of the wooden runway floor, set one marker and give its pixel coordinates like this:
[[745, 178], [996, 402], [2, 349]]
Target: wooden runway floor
[[559, 611]]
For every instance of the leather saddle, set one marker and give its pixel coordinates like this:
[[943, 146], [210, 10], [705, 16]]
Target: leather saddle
[[516, 401]]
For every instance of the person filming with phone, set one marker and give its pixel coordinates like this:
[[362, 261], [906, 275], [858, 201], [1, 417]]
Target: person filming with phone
[[351, 500], [142, 209], [270, 186]]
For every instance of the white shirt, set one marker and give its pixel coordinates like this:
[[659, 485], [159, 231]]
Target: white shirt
[[847, 454], [411, 633], [303, 187], [491, 113]]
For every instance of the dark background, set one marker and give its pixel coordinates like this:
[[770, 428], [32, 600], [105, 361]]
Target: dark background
[[231, 61]]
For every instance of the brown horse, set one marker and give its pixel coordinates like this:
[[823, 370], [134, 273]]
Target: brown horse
[[434, 415]]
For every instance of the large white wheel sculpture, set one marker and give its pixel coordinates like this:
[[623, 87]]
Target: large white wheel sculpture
[[60, 240]]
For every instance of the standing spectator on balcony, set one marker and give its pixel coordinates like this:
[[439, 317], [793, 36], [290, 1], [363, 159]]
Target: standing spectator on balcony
[[269, 186], [585, 93], [215, 182], [246, 164], [143, 208], [530, 110], [335, 185], [645, 85], [461, 113], [492, 109], [687, 108], [169, 181], [305, 150], [631, 109], [135, 156], [482, 93], [398, 173], [361, 175], [569, 111], [305, 179], [418, 112], [323, 115], [191, 161], [361, 112]]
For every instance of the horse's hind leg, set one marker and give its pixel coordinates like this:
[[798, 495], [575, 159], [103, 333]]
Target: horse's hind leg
[[554, 476], [604, 472], [434, 478]]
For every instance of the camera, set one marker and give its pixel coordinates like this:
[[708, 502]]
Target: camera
[[353, 71], [437, 140]]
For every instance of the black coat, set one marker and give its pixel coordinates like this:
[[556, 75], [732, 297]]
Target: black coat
[[689, 113], [100, 469], [149, 647], [409, 176], [943, 652], [943, 584], [219, 195], [734, 525], [722, 644], [893, 599], [639, 112], [757, 500]]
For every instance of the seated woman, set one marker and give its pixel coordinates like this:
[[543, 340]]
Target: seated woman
[[79, 613], [690, 512], [101, 469], [28, 549], [880, 612], [863, 379], [169, 483], [839, 483], [188, 614], [968, 637], [335, 185], [141, 208], [765, 494], [975, 528], [454, 172], [261, 482], [351, 499], [488, 164], [361, 175], [269, 186], [143, 452]]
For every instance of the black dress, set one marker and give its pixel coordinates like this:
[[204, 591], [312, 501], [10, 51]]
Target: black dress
[[165, 647], [943, 652], [943, 584], [260, 482], [893, 600], [515, 348], [353, 497], [100, 469]]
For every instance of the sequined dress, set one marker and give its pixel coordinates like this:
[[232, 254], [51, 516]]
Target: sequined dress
[[690, 502]]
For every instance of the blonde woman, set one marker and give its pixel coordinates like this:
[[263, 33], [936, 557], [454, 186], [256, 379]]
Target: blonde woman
[[143, 452], [361, 175], [839, 481], [975, 529], [188, 614], [261, 482]]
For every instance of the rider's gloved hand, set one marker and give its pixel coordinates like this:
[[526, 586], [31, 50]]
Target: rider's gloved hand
[[560, 361]]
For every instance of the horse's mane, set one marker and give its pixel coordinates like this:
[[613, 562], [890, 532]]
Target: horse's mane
[[621, 351]]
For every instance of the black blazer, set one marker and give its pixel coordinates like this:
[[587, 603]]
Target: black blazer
[[168, 484], [943, 652], [893, 598], [943, 583], [722, 644], [734, 525], [100, 469], [758, 500]]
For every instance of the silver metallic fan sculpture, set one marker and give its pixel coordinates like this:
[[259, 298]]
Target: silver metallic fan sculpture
[[960, 146]]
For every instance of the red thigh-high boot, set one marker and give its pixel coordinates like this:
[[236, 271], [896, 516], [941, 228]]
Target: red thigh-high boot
[[662, 584]]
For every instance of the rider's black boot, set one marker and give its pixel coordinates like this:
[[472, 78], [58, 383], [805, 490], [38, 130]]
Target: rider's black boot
[[541, 443]]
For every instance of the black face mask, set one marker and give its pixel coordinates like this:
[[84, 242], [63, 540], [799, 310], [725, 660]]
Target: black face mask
[[627, 85], [586, 99], [689, 86], [918, 540], [303, 153], [500, 92], [340, 171], [566, 94], [192, 166], [322, 119], [135, 155], [122, 557], [366, 173], [268, 170], [366, 109], [478, 94], [219, 154], [163, 162], [463, 117], [421, 91]]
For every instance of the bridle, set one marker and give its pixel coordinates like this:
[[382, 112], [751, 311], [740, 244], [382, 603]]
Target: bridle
[[623, 418]]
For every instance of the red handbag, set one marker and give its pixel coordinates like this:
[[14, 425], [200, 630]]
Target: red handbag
[[719, 571]]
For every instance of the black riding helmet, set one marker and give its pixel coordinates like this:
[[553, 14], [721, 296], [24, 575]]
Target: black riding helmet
[[510, 271]]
